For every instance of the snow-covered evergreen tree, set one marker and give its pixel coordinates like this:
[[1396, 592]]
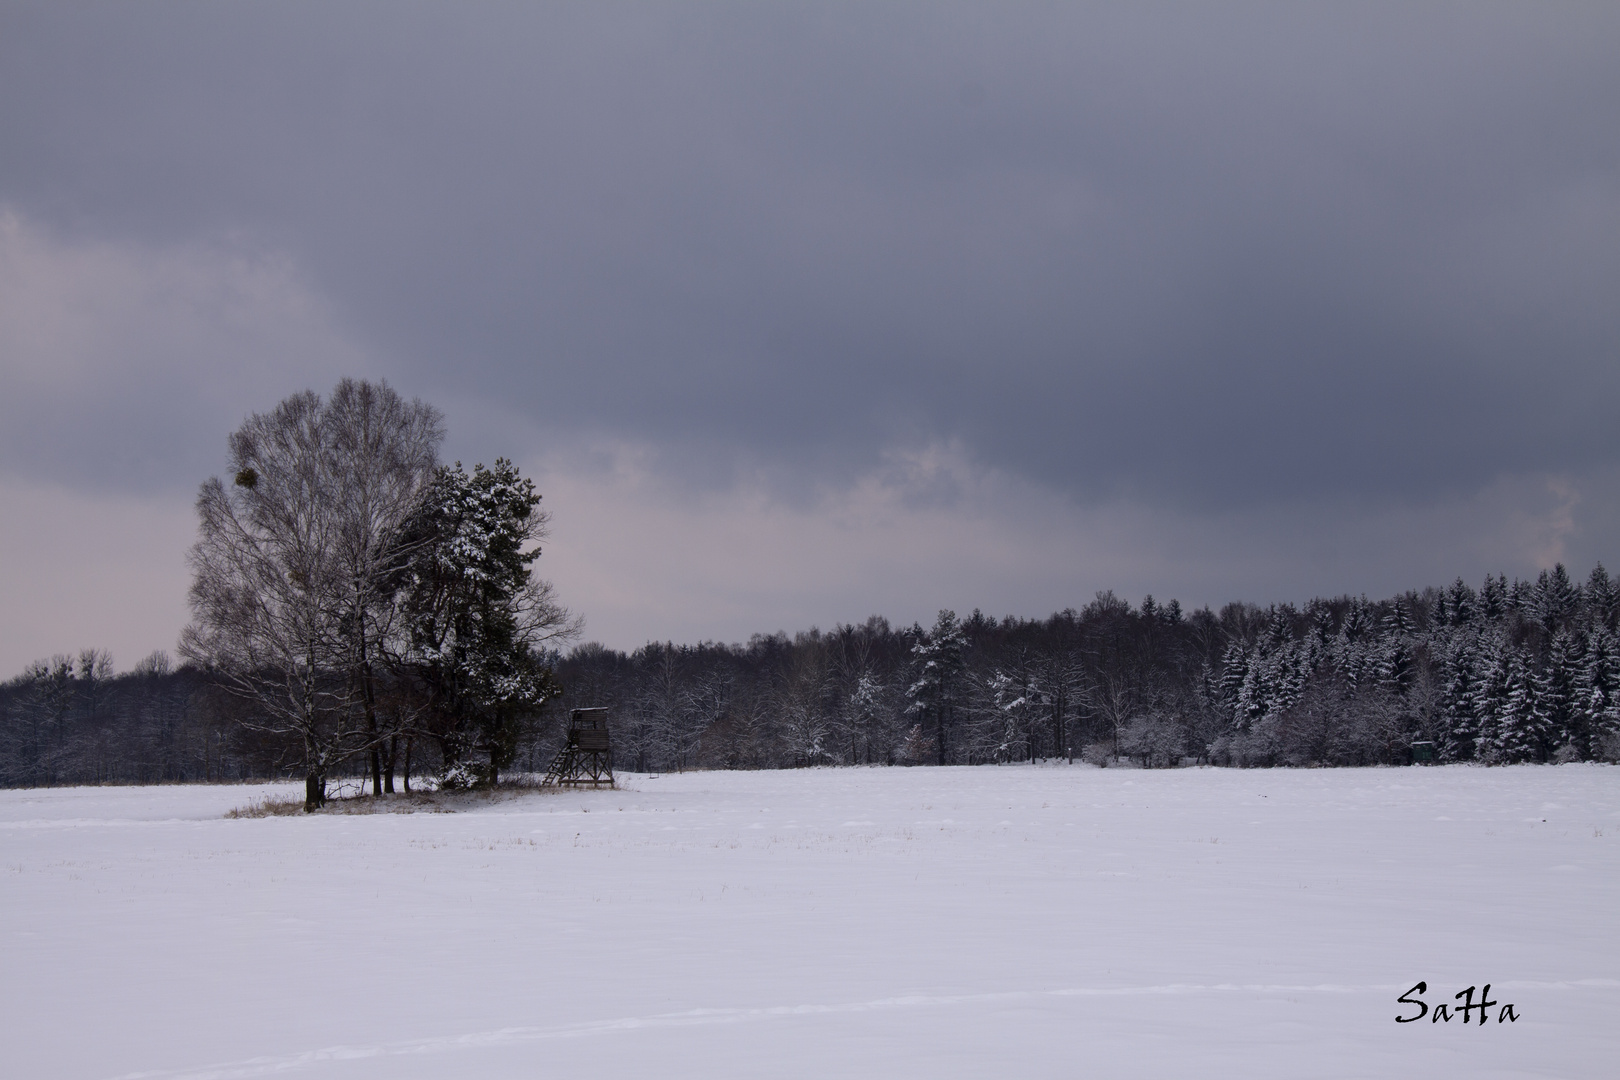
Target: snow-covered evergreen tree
[[476, 614], [1491, 670], [1459, 718], [1359, 622], [1493, 598], [1397, 622], [1014, 705], [938, 663], [1393, 664], [1558, 680], [1600, 597], [1254, 696], [1293, 668], [1521, 728], [1554, 599], [1353, 658], [1229, 688], [1597, 693], [1280, 626], [1462, 604], [863, 713]]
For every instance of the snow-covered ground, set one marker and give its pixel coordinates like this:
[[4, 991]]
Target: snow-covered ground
[[986, 922]]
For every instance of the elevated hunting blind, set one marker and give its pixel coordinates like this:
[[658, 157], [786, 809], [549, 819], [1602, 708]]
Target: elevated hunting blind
[[586, 757]]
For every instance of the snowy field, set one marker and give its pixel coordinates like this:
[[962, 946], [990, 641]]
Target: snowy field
[[978, 922]]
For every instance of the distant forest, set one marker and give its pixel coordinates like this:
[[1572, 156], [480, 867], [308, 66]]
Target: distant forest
[[1527, 671]]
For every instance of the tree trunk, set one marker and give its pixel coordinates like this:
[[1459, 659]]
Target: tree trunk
[[314, 791], [368, 693], [410, 744], [1060, 727], [388, 769]]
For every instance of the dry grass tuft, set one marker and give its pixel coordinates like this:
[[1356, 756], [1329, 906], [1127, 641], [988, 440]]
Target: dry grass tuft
[[518, 786], [268, 807]]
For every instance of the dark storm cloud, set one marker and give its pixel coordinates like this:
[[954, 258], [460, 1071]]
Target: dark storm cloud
[[1222, 255]]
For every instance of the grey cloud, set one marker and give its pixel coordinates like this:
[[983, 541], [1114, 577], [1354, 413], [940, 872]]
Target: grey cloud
[[1228, 256], [658, 565], [125, 365]]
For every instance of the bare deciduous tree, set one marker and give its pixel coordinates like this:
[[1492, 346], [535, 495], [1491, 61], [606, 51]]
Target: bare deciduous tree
[[293, 559], [383, 452]]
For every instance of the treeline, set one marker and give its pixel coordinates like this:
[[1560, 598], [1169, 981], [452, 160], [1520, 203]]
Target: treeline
[[1527, 671], [1508, 672], [70, 720]]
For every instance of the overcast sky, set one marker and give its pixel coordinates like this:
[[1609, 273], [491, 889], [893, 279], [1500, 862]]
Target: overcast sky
[[804, 312]]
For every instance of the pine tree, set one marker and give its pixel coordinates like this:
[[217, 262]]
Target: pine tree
[[1285, 672], [1597, 691], [1521, 723], [1490, 688], [1013, 705], [1254, 696], [1558, 696], [1493, 598], [1462, 603], [1600, 597], [1353, 657], [1393, 664], [863, 710], [938, 662], [1459, 718], [1321, 620], [1280, 626], [1229, 690], [1521, 596], [1398, 622], [476, 614], [1554, 598], [1358, 620]]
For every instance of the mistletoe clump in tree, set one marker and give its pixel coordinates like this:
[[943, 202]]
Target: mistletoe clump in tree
[[478, 619]]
